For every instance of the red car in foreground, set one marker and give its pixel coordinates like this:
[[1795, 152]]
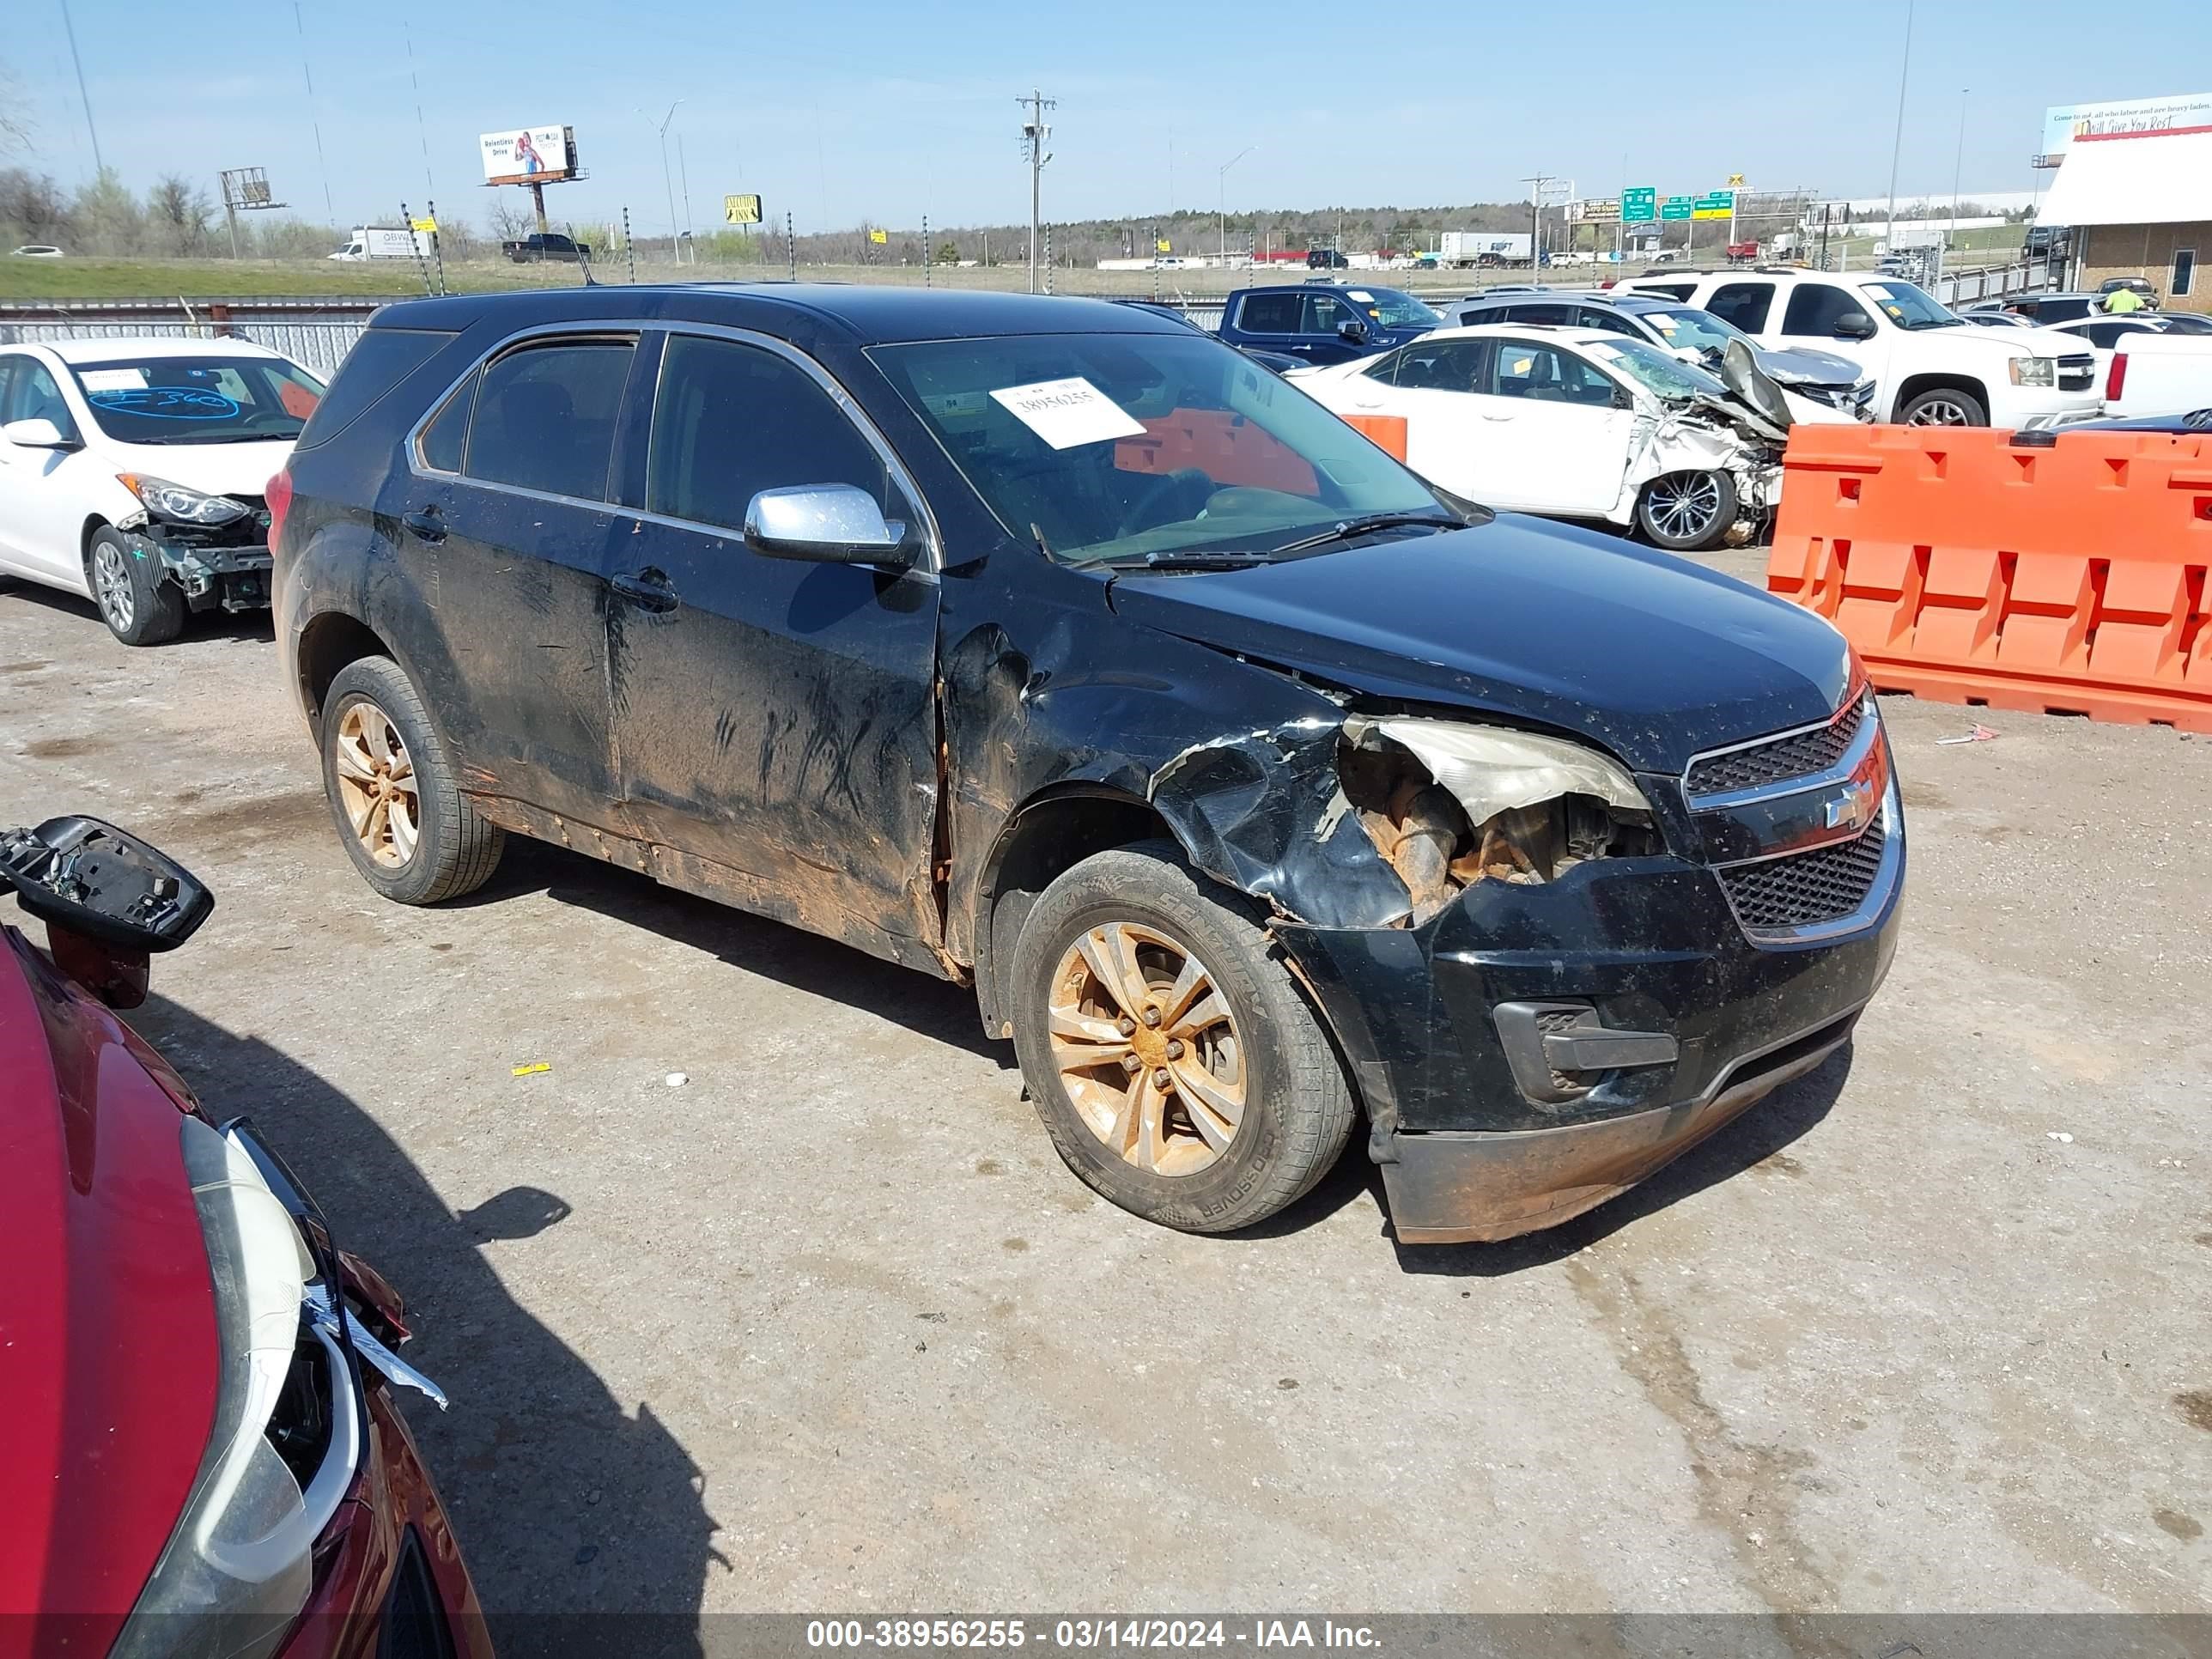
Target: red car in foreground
[[202, 1456]]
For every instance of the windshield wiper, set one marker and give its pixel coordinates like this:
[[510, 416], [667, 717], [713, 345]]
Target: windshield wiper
[[1224, 559], [1368, 522], [230, 438]]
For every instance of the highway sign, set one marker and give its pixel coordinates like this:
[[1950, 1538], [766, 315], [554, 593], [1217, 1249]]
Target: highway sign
[[1678, 207], [1639, 205], [1714, 204]]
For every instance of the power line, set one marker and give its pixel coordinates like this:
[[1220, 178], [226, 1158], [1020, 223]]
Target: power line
[[99, 167], [329, 212]]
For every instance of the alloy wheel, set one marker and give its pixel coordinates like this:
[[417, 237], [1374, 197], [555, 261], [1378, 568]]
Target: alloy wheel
[[1147, 1047], [1939, 411], [377, 785], [110, 586], [1684, 505]]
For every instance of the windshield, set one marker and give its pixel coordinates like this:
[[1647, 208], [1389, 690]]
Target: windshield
[[1688, 326], [1118, 446], [1909, 306], [1392, 308], [198, 400], [1655, 371]]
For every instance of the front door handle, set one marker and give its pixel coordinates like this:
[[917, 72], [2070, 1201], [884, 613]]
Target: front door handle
[[426, 524], [648, 589]]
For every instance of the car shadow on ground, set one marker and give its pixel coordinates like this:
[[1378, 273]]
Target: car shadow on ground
[[931, 1008], [1759, 1135], [585, 1526], [256, 627]]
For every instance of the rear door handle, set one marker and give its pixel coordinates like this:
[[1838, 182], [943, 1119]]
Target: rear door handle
[[648, 589], [426, 524]]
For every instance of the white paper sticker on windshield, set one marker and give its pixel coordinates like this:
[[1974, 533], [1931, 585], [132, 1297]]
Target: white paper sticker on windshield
[[1362, 295], [114, 380], [1067, 413]]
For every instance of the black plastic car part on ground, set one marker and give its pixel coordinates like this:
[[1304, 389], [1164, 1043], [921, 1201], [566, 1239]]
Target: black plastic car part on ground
[[1576, 848]]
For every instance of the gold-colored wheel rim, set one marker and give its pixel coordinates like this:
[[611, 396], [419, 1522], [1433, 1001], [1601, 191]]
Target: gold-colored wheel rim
[[377, 785], [1147, 1048]]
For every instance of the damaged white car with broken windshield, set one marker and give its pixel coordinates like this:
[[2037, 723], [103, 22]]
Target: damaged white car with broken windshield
[[1257, 785], [1584, 423]]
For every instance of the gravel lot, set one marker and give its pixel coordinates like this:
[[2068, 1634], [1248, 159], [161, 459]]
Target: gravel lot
[[828, 1327]]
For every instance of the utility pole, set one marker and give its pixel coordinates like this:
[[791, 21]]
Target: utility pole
[[1958, 161], [667, 180], [1536, 218], [1035, 136], [1221, 194], [684, 172], [1896, 143]]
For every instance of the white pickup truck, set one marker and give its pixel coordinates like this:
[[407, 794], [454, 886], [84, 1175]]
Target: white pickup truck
[[2159, 374], [1929, 367]]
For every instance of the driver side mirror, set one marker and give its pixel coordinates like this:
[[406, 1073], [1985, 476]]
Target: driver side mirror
[[1853, 326], [108, 898], [829, 524], [39, 435], [1355, 330]]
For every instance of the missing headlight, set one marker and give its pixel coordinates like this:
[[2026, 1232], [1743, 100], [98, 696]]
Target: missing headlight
[[1450, 805]]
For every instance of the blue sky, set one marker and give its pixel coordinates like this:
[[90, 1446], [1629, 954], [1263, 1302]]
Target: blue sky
[[850, 110]]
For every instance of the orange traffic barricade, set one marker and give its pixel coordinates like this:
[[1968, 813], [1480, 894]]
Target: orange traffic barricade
[[2065, 575]]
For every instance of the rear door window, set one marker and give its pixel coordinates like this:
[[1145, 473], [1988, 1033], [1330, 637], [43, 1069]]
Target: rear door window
[[1541, 313], [1270, 313], [1815, 309], [545, 417], [1744, 304]]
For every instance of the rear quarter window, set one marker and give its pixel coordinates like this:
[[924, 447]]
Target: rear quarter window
[[380, 361]]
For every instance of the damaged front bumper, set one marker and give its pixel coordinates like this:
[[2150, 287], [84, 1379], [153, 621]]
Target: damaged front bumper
[[214, 569], [1533, 1050]]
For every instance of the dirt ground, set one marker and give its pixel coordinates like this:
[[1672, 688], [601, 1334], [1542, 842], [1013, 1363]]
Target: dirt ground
[[827, 1327]]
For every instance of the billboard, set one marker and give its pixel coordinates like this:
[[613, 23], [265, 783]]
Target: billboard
[[741, 209], [2130, 118], [528, 155]]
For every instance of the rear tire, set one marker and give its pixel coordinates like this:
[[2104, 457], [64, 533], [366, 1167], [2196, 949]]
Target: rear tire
[[1687, 512], [399, 812], [1256, 1108], [136, 599]]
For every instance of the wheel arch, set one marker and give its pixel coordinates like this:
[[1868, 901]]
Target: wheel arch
[[1048, 833], [1939, 381], [329, 644]]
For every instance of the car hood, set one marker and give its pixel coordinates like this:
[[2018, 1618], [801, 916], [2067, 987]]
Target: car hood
[[1802, 366], [1650, 656], [211, 469], [107, 1339]]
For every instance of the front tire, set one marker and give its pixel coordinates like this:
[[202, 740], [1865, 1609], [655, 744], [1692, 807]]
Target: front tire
[[1177, 1068], [1944, 407], [1687, 512], [398, 808], [136, 599]]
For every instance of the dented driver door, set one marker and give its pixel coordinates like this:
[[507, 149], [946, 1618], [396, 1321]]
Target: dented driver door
[[774, 719]]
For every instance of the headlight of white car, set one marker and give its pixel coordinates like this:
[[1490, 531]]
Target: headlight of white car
[[2034, 371], [239, 1567], [173, 501]]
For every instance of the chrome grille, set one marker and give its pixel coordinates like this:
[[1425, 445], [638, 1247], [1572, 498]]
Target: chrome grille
[[1796, 756], [1800, 889]]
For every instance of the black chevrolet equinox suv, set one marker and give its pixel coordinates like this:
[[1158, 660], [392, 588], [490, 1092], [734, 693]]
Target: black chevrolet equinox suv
[[1043, 645]]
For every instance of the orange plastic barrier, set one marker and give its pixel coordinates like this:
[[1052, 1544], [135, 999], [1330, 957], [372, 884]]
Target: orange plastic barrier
[[1386, 432], [1967, 568]]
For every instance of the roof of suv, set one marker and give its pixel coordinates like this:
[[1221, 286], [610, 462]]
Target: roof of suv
[[873, 316]]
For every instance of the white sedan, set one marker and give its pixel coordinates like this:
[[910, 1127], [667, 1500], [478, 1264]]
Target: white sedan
[[132, 473], [1579, 423]]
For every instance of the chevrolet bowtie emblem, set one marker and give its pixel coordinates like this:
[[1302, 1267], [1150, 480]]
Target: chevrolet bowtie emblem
[[1854, 808]]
